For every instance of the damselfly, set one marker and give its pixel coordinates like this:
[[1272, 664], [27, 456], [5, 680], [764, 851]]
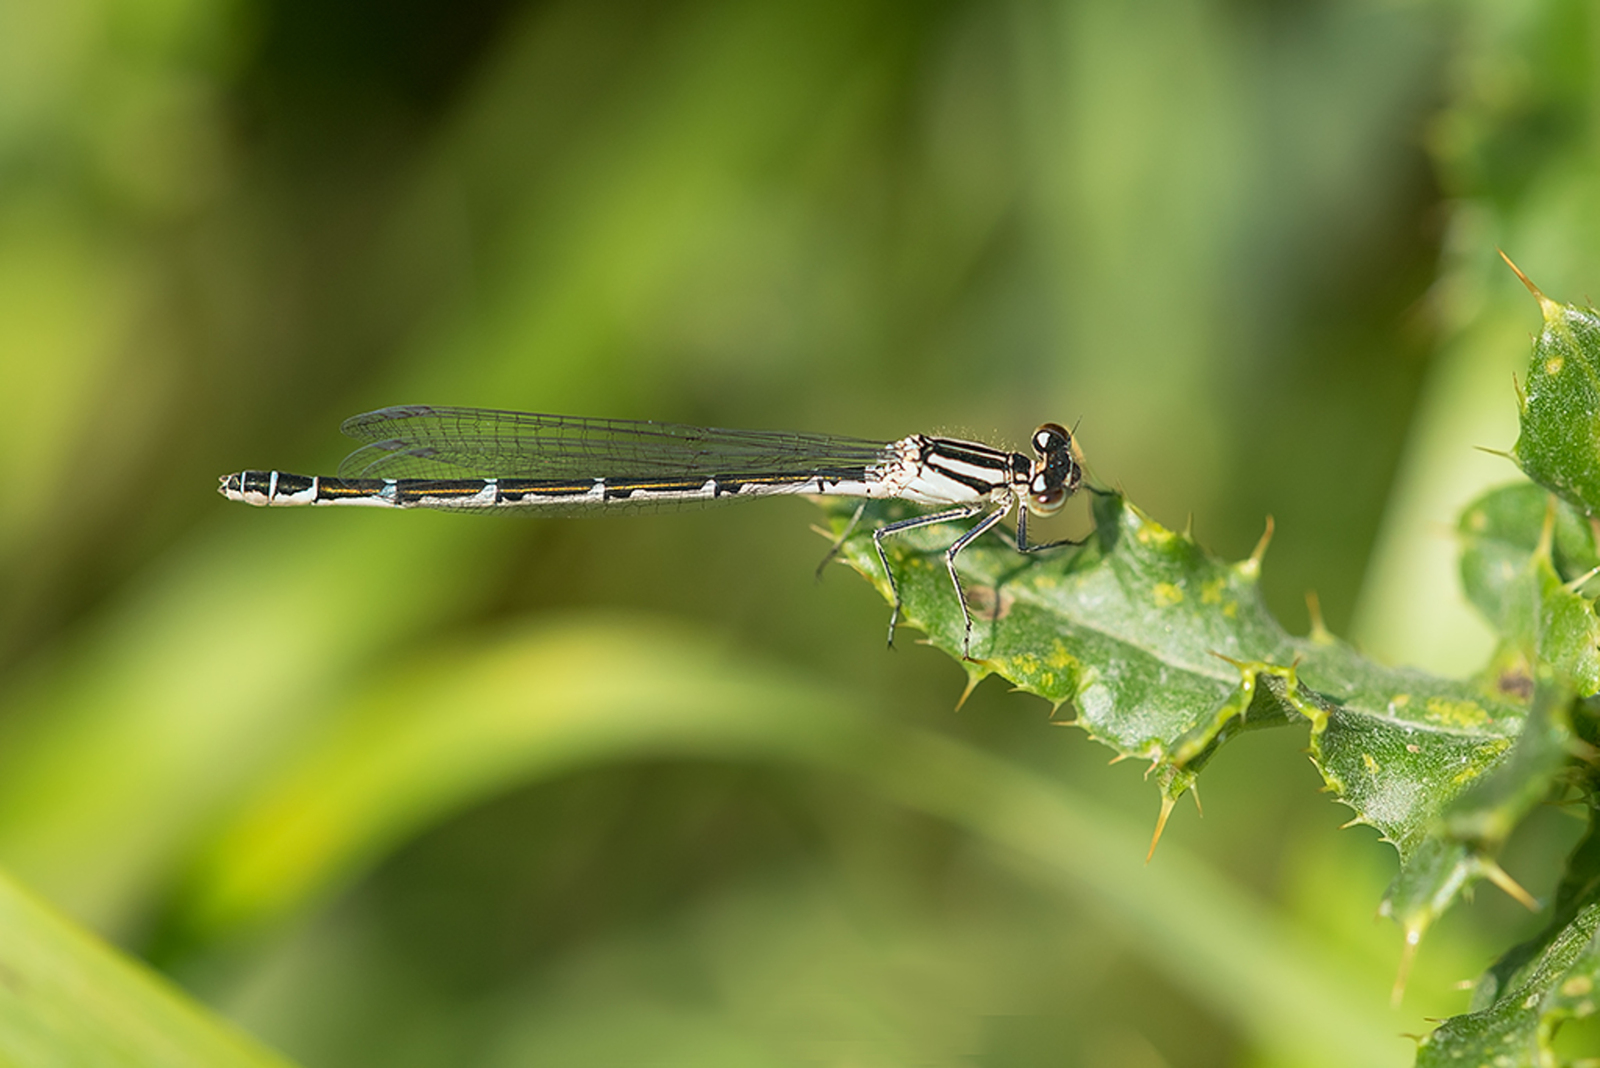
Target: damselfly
[[421, 457]]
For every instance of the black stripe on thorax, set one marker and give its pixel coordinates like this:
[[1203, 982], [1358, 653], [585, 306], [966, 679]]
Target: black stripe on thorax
[[954, 459], [976, 483], [969, 452]]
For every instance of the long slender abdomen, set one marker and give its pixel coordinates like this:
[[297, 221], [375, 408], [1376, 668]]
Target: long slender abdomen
[[280, 488]]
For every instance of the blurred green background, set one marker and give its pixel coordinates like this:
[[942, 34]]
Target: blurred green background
[[436, 790]]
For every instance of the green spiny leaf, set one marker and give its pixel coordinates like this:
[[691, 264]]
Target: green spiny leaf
[[1460, 846], [1165, 653], [1579, 889], [1512, 540], [1157, 644], [1555, 984], [1500, 530], [1559, 446], [1522, 552], [1487, 813]]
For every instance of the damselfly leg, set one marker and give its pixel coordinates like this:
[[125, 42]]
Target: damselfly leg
[[950, 516]]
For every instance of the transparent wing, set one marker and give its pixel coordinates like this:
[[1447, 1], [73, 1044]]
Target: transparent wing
[[419, 441]]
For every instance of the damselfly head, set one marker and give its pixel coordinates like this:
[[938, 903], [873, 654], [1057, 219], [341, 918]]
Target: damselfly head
[[1056, 473]]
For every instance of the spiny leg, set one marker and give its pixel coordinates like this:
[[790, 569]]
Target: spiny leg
[[964, 512], [1022, 526], [1022, 536], [983, 525], [838, 543]]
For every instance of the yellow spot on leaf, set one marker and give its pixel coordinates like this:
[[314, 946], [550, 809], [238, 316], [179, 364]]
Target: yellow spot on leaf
[[1553, 365], [1211, 592], [1371, 764], [1167, 595], [1400, 700], [1448, 713], [1059, 657], [1153, 534], [1022, 664]]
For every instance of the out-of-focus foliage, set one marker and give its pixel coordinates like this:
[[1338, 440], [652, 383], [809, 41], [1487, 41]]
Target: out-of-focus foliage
[[235, 742], [69, 999]]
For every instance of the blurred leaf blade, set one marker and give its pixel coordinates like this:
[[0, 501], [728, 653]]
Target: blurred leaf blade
[[473, 722], [160, 677], [526, 706], [66, 998]]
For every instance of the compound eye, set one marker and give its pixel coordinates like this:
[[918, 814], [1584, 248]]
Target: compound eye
[[1048, 501], [1049, 437]]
